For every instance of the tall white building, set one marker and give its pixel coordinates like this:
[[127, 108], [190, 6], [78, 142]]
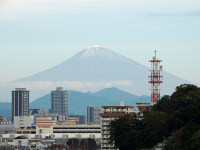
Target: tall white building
[[59, 104], [111, 113], [93, 115]]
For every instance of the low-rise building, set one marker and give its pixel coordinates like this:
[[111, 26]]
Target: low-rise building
[[23, 121], [81, 118], [77, 129], [21, 141], [141, 107], [44, 125]]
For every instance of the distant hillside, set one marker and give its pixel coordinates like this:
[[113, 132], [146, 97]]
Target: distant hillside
[[79, 101], [5, 110], [41, 102], [114, 94]]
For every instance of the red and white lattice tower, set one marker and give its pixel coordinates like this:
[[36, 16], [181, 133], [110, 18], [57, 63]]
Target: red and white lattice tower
[[155, 79]]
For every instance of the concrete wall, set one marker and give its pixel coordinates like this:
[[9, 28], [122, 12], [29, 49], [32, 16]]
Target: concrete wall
[[23, 121], [42, 129]]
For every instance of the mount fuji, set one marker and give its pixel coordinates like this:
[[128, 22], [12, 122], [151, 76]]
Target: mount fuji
[[100, 67]]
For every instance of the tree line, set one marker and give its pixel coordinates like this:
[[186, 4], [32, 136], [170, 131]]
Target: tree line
[[174, 120]]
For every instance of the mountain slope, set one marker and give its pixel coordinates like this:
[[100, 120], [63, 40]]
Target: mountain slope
[[115, 94], [100, 67], [91, 64], [5, 110]]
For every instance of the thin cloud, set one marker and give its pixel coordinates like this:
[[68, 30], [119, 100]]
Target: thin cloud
[[15, 9], [76, 85], [175, 14]]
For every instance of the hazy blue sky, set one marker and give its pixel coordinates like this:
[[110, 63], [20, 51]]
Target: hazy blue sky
[[38, 34]]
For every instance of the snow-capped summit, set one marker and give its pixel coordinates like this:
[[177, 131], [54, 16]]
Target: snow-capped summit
[[97, 51]]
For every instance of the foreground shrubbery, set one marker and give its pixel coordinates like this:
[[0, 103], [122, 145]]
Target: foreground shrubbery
[[175, 119]]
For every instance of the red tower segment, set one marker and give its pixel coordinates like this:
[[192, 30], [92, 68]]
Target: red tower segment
[[155, 79]]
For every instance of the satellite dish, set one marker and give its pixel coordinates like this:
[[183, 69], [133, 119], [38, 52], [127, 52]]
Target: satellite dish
[[161, 67]]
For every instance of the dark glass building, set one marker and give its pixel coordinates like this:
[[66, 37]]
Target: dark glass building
[[20, 102]]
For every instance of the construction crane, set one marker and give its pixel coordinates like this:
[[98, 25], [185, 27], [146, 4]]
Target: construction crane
[[45, 108]]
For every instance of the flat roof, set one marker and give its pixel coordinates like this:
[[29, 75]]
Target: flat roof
[[117, 106], [143, 103]]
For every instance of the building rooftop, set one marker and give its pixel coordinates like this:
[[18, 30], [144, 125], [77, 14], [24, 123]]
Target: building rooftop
[[20, 89], [7, 129], [118, 106], [116, 114]]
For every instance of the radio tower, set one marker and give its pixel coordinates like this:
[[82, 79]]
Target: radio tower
[[155, 79]]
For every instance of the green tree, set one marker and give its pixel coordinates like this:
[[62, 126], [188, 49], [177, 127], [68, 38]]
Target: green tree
[[174, 118]]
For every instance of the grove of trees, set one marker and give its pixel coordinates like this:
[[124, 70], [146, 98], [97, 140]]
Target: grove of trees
[[174, 120]]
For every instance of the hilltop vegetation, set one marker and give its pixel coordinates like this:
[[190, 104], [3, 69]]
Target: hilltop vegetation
[[174, 120]]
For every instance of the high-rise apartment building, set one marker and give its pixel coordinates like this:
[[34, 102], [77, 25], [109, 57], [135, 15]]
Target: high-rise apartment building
[[20, 102], [93, 115], [112, 113], [59, 104]]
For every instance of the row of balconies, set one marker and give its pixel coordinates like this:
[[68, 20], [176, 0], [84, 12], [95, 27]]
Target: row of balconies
[[105, 123], [104, 145], [105, 132], [105, 136], [105, 128]]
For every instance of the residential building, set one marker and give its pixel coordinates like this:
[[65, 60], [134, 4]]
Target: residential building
[[141, 107], [93, 115], [112, 113], [59, 104], [20, 102], [81, 118]]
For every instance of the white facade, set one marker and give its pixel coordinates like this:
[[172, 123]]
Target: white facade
[[23, 121], [111, 113], [44, 129]]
